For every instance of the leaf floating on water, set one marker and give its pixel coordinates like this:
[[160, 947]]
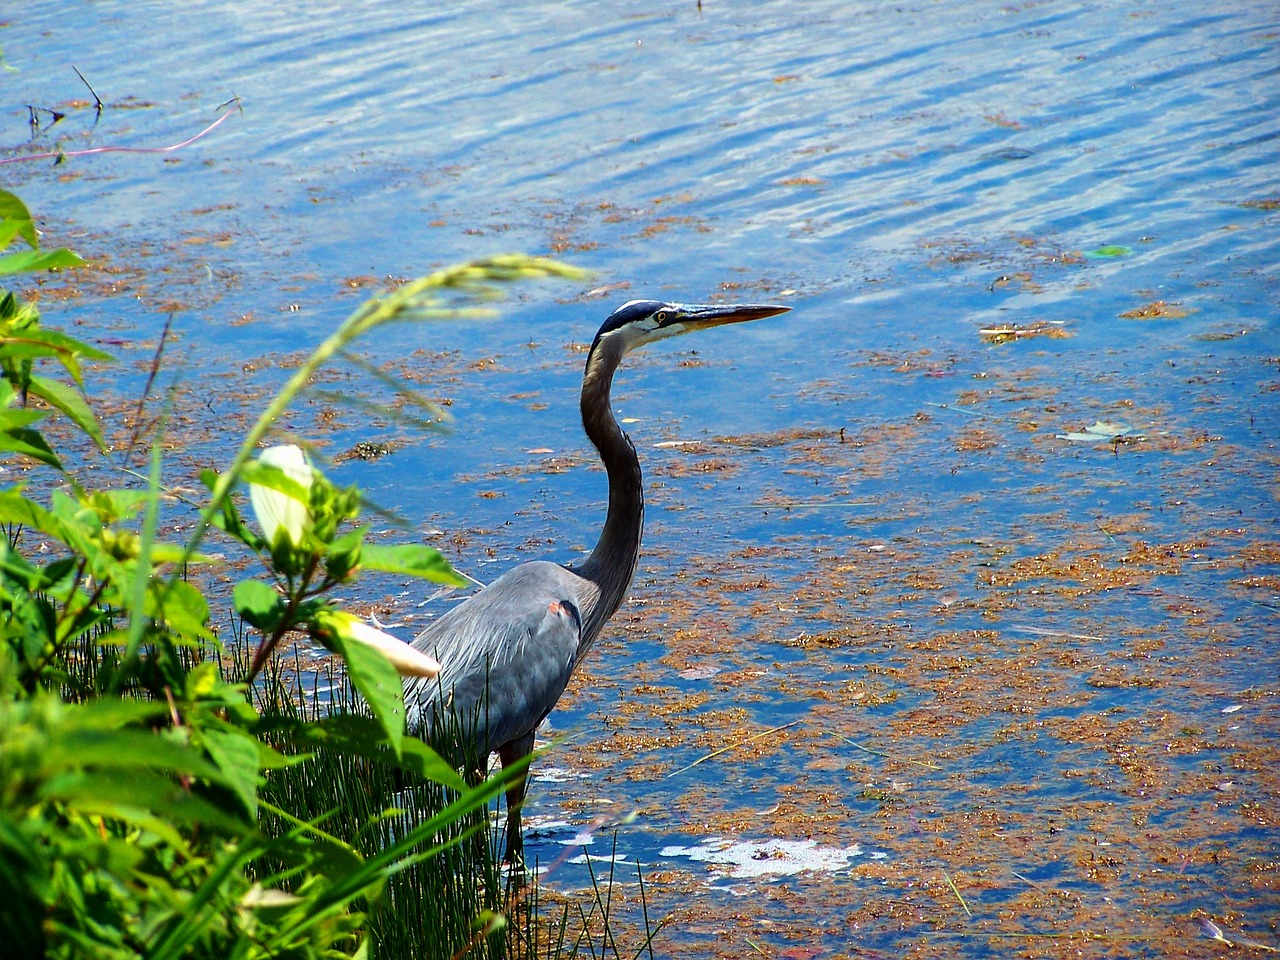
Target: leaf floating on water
[[1108, 251], [1211, 929], [1102, 432], [1215, 932]]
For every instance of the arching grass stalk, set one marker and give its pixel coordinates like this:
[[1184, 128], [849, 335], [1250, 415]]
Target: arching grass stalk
[[409, 302], [414, 301]]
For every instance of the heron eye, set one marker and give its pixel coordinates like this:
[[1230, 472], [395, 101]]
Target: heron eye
[[661, 317]]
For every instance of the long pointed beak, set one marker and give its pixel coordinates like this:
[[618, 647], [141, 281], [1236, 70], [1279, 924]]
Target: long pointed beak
[[698, 316]]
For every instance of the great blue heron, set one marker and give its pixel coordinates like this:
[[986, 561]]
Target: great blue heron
[[507, 652]]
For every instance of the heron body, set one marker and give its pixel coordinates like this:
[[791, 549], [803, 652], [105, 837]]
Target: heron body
[[507, 652]]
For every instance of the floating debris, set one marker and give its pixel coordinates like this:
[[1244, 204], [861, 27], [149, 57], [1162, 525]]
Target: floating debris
[[1008, 332], [366, 450], [1157, 310]]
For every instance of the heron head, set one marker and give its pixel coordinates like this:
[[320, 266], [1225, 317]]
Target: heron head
[[638, 322]]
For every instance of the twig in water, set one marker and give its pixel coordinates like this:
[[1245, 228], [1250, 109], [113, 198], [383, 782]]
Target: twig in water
[[151, 379], [97, 100], [732, 746], [1041, 632], [60, 155], [950, 883], [887, 756], [33, 118], [1026, 880]]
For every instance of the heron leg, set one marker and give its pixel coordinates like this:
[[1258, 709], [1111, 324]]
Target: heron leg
[[511, 752]]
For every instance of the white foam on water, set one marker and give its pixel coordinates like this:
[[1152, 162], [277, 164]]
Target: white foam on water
[[745, 859]]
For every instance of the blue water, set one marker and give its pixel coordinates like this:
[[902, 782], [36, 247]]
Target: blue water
[[904, 175]]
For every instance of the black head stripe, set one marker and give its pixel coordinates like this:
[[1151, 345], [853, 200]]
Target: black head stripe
[[630, 313]]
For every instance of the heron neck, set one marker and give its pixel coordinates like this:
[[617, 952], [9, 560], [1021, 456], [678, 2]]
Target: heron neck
[[612, 563]]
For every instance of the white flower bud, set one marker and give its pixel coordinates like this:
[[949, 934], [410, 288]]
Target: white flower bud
[[408, 660], [278, 513]]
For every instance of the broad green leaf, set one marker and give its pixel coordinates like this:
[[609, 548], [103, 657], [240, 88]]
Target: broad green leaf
[[236, 754], [134, 798], [29, 443], [107, 714], [413, 559], [182, 607], [16, 219], [15, 566], [202, 680], [343, 555], [15, 215], [8, 230], [29, 260], [258, 604], [428, 764], [34, 341], [71, 403], [229, 521], [376, 679], [125, 749], [22, 417]]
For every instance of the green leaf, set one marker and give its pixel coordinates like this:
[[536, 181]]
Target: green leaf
[[29, 443], [202, 680], [413, 559], [30, 260], [70, 402], [343, 555], [134, 798], [258, 604], [429, 765], [127, 749], [32, 341], [229, 521], [1108, 252], [16, 217], [236, 754], [182, 607], [376, 679]]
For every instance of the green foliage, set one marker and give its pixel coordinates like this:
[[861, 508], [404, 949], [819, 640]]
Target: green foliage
[[152, 803]]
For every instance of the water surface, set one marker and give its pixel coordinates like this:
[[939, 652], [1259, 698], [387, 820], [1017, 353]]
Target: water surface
[[1027, 684]]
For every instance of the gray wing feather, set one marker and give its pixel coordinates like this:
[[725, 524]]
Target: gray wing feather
[[505, 655]]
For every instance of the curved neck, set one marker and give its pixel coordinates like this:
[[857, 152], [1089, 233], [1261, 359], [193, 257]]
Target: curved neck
[[612, 563]]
